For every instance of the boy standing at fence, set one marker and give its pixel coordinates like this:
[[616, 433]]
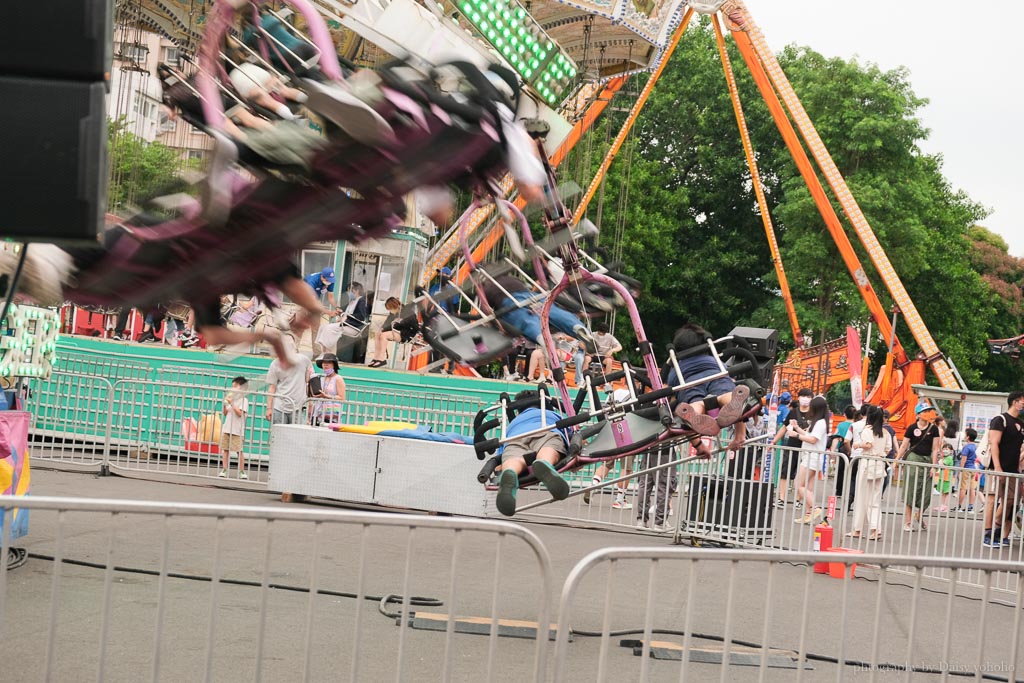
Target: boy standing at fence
[[235, 409], [968, 479]]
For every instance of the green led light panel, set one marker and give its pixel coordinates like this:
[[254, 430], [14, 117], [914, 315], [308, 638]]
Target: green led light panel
[[28, 341], [526, 47]]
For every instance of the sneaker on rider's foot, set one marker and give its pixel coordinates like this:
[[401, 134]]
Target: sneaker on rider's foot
[[552, 480], [731, 412], [508, 486], [779, 503], [243, 475], [698, 422], [622, 504], [223, 474]]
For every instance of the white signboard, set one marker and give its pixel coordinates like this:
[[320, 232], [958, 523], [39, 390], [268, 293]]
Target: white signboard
[[978, 415]]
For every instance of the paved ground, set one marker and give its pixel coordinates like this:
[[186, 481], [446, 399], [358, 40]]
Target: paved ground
[[336, 628]]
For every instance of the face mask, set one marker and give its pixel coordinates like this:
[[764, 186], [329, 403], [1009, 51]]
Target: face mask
[[805, 402], [328, 371]]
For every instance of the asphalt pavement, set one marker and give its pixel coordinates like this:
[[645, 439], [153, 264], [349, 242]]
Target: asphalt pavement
[[131, 623]]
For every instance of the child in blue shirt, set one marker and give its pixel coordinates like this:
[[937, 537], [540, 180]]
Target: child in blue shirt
[[968, 479], [543, 451]]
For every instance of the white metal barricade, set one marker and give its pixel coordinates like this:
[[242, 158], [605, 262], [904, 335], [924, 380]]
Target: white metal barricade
[[70, 419], [686, 614], [121, 590], [161, 428], [912, 510], [110, 366], [440, 413], [730, 498], [177, 428]]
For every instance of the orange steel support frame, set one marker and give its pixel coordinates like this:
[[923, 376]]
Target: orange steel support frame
[[581, 210], [755, 177], [755, 38], [821, 200], [893, 384]]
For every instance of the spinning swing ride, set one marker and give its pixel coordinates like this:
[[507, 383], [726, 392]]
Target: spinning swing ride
[[555, 65]]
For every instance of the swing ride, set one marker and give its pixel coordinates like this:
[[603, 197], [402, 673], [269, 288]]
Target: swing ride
[[496, 121]]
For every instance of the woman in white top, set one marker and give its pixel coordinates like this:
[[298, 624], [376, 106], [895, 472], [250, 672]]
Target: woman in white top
[[876, 443], [812, 457], [331, 386]]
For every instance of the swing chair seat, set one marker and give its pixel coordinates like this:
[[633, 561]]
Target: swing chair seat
[[632, 433], [474, 346]]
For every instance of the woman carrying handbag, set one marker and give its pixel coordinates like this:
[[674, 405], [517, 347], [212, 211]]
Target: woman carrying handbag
[[875, 442]]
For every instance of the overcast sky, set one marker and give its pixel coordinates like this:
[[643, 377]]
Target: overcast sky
[[963, 57]]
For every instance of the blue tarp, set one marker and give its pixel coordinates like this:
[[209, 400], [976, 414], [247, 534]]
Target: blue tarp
[[424, 434]]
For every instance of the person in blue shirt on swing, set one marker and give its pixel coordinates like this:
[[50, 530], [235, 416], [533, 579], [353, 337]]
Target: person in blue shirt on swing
[[540, 451]]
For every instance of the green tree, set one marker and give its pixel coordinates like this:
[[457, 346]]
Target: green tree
[[693, 234], [868, 120], [139, 170], [1004, 276]]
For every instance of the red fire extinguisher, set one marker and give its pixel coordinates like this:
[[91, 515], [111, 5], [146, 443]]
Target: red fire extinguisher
[[822, 542]]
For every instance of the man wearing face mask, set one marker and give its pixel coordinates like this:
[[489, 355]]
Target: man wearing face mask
[[789, 460]]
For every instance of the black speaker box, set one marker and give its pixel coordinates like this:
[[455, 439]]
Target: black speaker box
[[54, 149], [730, 504], [763, 342], [64, 39]]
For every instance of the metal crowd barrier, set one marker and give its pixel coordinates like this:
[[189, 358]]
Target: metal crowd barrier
[[731, 499], [167, 427], [442, 413], [109, 366], [683, 614], [177, 431], [123, 590], [936, 527], [214, 377], [164, 428]]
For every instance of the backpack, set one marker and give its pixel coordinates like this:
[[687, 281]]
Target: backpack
[[984, 457]]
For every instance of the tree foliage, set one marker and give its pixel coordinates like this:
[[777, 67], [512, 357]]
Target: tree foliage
[[693, 233], [139, 170], [1004, 276]]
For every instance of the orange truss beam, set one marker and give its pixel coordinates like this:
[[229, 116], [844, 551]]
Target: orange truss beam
[[821, 200], [581, 210], [755, 177], [751, 32]]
